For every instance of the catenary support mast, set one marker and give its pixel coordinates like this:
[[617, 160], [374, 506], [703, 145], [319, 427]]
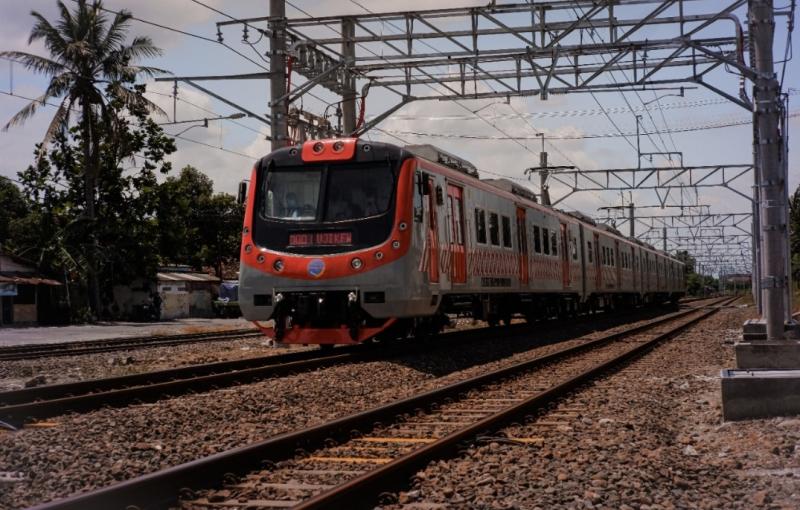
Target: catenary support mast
[[279, 110], [773, 209]]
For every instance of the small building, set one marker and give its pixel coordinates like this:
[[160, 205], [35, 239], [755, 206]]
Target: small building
[[186, 293], [26, 297]]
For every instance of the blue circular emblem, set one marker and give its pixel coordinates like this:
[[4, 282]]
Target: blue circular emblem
[[316, 267]]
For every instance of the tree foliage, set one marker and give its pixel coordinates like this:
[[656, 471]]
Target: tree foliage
[[92, 72], [794, 233], [126, 200], [197, 226]]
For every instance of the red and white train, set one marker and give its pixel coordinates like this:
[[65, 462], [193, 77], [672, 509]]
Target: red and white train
[[345, 240]]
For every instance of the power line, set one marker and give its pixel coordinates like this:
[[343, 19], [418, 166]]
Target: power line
[[223, 149], [183, 32], [611, 134]]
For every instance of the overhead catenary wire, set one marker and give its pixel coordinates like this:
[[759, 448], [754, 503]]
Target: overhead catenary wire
[[188, 34], [612, 134], [460, 104]]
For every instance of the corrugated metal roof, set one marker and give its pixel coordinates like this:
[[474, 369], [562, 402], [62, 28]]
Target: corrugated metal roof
[[26, 279], [186, 277]]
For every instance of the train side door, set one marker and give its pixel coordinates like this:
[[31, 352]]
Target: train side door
[[432, 240], [598, 257], [522, 246], [458, 263], [565, 279]]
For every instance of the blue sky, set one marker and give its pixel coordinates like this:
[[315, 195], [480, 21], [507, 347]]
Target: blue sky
[[234, 146]]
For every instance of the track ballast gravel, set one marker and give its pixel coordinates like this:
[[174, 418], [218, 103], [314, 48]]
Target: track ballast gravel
[[88, 451], [648, 437]]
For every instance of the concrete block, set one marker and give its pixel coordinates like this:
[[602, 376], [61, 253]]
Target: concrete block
[[768, 355], [760, 393], [756, 329]]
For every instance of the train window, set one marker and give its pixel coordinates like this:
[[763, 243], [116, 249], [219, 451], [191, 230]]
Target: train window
[[449, 222], [292, 195], [506, 231], [573, 246], [537, 241], [358, 192], [605, 256], [494, 229], [554, 242], [480, 226], [458, 222], [546, 241], [589, 251]]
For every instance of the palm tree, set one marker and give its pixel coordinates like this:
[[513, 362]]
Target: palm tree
[[89, 61]]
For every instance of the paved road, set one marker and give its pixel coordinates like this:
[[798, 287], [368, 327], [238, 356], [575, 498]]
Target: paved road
[[55, 334]]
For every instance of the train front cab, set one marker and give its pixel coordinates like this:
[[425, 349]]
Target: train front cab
[[328, 246]]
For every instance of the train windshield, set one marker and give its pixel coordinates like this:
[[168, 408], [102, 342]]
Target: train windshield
[[292, 195], [351, 192]]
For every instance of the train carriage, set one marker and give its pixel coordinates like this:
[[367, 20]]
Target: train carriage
[[345, 240]]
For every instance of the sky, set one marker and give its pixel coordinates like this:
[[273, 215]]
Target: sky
[[227, 149]]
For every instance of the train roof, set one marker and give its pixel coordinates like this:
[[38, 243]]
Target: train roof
[[441, 156], [444, 158], [513, 187]]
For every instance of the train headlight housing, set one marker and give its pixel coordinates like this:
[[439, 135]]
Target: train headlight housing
[[338, 147], [318, 148], [356, 263], [278, 265]]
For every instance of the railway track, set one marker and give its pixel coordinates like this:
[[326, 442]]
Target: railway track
[[35, 351], [22, 406], [356, 458]]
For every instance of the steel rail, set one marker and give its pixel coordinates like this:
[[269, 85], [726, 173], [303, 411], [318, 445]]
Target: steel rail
[[161, 489], [45, 350], [363, 491], [21, 406]]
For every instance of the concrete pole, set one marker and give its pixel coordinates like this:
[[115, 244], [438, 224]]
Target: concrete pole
[[349, 92], [631, 226], [773, 210], [543, 188], [787, 290], [278, 110]]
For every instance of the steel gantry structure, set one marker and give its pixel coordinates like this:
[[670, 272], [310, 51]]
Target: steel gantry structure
[[540, 49]]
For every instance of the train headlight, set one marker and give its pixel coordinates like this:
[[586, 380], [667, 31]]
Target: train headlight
[[379, 255], [357, 263], [248, 248], [260, 258], [318, 148], [395, 244], [403, 226], [278, 265], [338, 146]]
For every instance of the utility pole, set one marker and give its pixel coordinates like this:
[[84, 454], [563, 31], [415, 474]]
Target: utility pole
[[349, 85], [664, 239], [544, 189], [278, 110], [773, 213], [631, 223], [544, 172]]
